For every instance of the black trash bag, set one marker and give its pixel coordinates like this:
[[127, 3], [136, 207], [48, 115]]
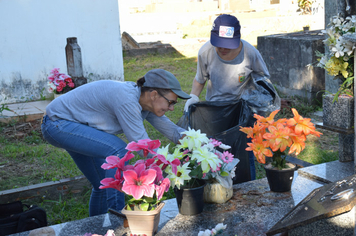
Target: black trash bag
[[258, 92], [260, 95], [221, 121], [14, 219], [184, 121]]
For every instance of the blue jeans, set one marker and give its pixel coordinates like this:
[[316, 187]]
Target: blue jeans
[[89, 147]]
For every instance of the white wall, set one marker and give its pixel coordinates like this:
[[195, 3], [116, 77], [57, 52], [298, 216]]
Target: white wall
[[33, 36]]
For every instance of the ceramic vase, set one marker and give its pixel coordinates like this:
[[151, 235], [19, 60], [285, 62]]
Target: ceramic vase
[[143, 222], [190, 200], [280, 180], [216, 193]]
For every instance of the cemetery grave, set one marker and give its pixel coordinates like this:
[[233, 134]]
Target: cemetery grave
[[322, 199]]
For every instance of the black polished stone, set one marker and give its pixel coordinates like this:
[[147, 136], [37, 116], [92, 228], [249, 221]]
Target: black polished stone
[[324, 202]]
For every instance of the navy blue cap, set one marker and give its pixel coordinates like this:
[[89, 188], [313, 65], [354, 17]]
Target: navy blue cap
[[226, 32]]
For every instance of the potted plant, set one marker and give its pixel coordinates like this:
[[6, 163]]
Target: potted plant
[[339, 62], [198, 160], [273, 138], [59, 83], [144, 184]]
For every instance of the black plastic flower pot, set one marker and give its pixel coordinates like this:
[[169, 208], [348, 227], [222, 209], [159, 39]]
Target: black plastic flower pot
[[280, 180], [190, 200]]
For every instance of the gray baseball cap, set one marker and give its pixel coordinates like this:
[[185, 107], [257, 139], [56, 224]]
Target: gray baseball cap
[[159, 78]]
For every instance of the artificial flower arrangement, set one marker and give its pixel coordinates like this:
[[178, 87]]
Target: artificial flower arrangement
[[59, 83], [110, 232], [194, 158], [271, 138], [198, 158], [339, 61], [143, 181], [218, 230]]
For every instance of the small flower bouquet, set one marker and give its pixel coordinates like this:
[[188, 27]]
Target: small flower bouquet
[[143, 181], [218, 230], [59, 83], [339, 61], [110, 232], [196, 158], [271, 138]]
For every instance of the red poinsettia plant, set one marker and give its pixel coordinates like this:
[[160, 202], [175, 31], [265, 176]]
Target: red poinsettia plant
[[143, 181], [272, 138]]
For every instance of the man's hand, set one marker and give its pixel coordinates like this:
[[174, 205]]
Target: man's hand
[[194, 99]]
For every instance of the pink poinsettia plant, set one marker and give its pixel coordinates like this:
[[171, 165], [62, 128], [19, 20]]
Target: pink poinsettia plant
[[59, 83], [142, 182]]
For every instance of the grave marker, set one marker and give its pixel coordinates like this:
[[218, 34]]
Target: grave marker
[[74, 62], [321, 205]]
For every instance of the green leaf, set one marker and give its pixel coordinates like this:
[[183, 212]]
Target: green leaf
[[224, 173], [144, 206], [197, 172], [149, 200], [132, 200]]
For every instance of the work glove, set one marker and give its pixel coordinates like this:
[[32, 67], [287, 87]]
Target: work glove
[[194, 99]]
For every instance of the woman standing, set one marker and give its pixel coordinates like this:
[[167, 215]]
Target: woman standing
[[85, 122]]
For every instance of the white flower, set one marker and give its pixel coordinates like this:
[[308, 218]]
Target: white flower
[[352, 19], [207, 158], [204, 233], [182, 174], [349, 48], [329, 31], [347, 26], [193, 139], [224, 146], [218, 229], [336, 21], [51, 86], [220, 226], [338, 50], [232, 173], [110, 232], [164, 152], [323, 61], [209, 146]]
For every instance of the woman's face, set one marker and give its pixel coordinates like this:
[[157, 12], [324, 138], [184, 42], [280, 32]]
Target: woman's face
[[164, 103]]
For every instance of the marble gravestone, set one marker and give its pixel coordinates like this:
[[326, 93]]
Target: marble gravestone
[[328, 210]]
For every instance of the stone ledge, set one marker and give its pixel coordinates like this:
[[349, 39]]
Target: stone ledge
[[48, 190], [155, 50]]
